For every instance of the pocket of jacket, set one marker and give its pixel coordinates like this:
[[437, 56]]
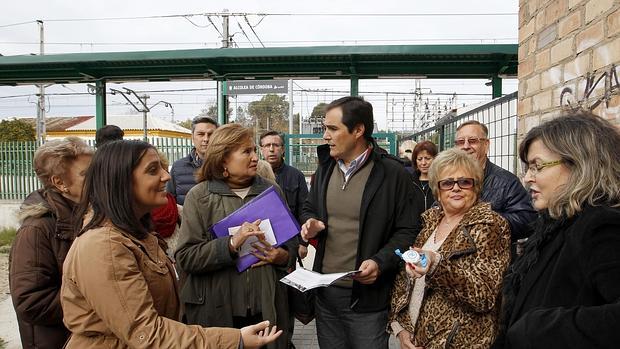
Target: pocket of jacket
[[192, 292], [455, 330]]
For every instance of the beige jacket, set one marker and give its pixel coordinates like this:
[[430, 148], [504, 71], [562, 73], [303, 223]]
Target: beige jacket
[[121, 292]]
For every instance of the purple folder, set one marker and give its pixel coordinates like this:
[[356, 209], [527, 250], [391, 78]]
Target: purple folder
[[267, 205]]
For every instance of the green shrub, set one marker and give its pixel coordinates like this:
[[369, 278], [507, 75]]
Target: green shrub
[[7, 235]]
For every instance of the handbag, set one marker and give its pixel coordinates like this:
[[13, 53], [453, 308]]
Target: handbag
[[301, 303]]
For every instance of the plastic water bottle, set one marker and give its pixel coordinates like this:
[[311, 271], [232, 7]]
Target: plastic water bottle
[[413, 257]]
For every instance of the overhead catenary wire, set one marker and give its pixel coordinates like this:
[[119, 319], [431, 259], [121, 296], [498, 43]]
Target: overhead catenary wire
[[244, 34], [242, 14], [16, 24], [252, 29]]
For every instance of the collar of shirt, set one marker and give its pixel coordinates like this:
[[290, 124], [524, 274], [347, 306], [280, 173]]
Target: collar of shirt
[[354, 166]]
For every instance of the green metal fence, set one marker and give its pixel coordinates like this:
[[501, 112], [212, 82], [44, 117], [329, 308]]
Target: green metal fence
[[17, 177], [300, 149], [500, 116]]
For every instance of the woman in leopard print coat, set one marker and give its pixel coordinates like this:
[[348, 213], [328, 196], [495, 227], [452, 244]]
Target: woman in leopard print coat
[[458, 300]]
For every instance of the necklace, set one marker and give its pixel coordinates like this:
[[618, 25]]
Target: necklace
[[450, 224]]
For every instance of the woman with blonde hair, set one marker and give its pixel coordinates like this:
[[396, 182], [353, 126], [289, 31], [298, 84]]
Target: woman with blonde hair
[[452, 300], [564, 291], [43, 239], [215, 293]]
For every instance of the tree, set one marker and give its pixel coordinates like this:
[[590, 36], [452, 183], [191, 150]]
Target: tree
[[187, 124], [211, 112], [318, 112], [16, 131], [270, 113]]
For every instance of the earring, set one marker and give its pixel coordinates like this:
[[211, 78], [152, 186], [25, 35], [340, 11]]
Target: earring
[[65, 189], [225, 174]]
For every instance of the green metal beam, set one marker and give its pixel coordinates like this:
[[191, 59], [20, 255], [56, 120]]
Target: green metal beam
[[496, 83], [101, 117], [325, 62], [354, 85], [222, 102]]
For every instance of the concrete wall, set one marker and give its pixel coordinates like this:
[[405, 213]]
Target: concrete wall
[[568, 56], [8, 213]]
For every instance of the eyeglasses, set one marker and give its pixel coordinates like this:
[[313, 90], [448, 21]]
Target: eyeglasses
[[472, 141], [534, 168], [463, 183], [269, 145]]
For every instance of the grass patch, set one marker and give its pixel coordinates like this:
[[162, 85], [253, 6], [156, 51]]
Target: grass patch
[[7, 235]]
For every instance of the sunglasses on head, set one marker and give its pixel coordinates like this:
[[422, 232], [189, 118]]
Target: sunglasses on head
[[463, 183]]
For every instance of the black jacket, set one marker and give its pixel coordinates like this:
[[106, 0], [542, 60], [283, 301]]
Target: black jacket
[[423, 194], [293, 183], [182, 177], [386, 223], [509, 198], [570, 298]]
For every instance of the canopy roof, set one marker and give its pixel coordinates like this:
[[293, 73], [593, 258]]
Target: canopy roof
[[323, 62]]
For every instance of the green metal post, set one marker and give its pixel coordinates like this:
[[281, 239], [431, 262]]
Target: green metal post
[[101, 117], [222, 105], [496, 83], [287, 149], [354, 85]]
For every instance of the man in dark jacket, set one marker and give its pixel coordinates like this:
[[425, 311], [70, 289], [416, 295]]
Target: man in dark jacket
[[359, 210], [290, 179], [182, 173], [501, 188]]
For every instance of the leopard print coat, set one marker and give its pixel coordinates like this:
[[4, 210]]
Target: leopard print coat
[[461, 301]]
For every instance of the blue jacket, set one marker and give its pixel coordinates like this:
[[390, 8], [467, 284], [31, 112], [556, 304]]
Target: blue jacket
[[509, 198], [182, 176]]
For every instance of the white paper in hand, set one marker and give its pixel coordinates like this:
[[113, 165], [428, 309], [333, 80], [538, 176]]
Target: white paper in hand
[[246, 248]]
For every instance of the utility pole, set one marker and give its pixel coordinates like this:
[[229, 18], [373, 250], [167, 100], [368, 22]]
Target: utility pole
[[225, 36], [145, 123], [40, 126], [145, 109], [222, 99]]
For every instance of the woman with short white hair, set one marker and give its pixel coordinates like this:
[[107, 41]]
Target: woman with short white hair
[[452, 300], [43, 239]]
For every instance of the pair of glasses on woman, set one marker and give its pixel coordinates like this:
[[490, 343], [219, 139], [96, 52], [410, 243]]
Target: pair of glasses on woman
[[463, 183]]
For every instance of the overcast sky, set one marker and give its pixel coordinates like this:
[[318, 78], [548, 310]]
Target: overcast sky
[[285, 26]]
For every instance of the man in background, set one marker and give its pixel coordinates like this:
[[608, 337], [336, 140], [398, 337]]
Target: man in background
[[501, 188], [182, 172], [107, 134]]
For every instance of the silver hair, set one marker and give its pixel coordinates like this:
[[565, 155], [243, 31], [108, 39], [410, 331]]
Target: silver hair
[[454, 159]]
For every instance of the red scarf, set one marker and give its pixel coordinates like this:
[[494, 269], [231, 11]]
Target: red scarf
[[166, 217]]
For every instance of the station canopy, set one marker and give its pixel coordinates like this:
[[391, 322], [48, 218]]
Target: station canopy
[[317, 62]]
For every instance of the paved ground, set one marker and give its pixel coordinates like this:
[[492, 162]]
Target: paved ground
[[304, 337], [8, 323]]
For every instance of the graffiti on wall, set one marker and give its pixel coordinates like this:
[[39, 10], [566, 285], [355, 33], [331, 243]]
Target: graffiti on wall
[[607, 80]]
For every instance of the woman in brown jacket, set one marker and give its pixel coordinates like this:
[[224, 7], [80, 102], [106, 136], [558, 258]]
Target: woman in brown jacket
[[452, 302], [119, 288], [43, 239]]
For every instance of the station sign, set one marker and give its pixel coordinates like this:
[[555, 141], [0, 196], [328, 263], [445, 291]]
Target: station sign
[[256, 87]]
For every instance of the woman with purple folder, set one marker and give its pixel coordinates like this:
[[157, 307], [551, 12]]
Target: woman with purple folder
[[215, 292]]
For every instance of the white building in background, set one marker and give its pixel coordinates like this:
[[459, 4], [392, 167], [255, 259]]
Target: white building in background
[[85, 127]]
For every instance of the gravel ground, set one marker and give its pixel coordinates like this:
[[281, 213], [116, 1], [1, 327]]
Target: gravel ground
[[4, 275]]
